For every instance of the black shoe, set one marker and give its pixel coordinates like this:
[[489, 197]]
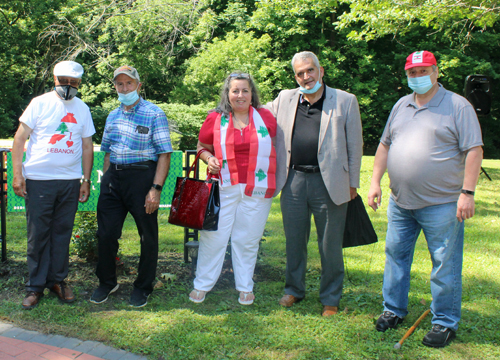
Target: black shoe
[[139, 298], [388, 320], [439, 336], [101, 294]]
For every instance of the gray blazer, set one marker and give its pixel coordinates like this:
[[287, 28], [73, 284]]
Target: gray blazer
[[340, 145]]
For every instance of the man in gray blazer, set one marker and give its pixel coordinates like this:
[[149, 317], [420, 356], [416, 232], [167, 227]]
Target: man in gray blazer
[[319, 145]]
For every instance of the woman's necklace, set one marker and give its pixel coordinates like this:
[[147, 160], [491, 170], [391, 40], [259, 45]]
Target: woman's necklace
[[240, 124]]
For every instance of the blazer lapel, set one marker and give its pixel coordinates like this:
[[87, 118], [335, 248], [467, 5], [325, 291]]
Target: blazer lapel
[[290, 118], [326, 115]]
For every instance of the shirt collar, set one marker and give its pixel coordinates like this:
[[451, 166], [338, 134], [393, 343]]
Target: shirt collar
[[438, 97], [434, 102], [301, 98], [134, 108]]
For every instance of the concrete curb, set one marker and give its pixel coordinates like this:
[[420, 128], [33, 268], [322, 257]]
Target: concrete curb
[[17, 343]]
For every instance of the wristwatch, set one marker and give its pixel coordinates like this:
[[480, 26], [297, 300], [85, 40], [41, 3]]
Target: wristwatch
[[85, 180], [467, 192], [157, 187]]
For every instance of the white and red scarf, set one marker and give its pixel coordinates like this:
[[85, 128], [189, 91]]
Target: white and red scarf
[[261, 176]]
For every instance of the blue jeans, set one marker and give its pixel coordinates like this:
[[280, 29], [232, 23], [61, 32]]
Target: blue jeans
[[445, 241]]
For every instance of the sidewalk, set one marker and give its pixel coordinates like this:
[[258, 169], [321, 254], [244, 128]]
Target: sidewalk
[[19, 344]]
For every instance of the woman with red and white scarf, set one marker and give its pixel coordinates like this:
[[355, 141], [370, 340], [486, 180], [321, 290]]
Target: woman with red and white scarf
[[237, 141]]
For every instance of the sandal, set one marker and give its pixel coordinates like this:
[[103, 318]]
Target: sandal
[[246, 298], [194, 296]]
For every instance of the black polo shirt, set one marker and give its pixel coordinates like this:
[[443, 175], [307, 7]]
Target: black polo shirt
[[305, 136]]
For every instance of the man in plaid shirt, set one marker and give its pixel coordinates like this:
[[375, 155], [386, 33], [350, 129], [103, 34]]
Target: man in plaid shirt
[[137, 144]]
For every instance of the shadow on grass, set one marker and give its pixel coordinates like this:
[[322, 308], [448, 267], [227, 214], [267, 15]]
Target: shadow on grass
[[494, 173]]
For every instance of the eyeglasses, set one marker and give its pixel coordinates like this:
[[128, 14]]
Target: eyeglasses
[[240, 75], [68, 81]]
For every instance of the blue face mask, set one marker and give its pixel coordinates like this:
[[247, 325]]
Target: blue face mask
[[310, 91], [128, 99], [420, 85]]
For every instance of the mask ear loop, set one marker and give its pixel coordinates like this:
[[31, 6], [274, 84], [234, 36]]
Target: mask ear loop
[[437, 75]]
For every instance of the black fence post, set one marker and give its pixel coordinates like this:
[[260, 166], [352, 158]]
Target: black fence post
[[3, 194], [190, 235]]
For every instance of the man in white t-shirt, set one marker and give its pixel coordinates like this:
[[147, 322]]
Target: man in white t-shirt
[[60, 129]]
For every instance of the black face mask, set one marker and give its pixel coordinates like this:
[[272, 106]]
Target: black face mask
[[66, 92]]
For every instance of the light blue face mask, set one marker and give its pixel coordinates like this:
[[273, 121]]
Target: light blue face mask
[[420, 84], [310, 91], [128, 99]]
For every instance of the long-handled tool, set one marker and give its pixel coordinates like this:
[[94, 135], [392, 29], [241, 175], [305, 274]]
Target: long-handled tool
[[412, 329]]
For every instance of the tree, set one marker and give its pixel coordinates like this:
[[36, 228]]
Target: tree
[[464, 36], [387, 17], [24, 64], [184, 50], [207, 70], [143, 33]]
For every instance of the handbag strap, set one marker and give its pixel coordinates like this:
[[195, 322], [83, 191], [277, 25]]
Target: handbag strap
[[195, 162], [194, 166]]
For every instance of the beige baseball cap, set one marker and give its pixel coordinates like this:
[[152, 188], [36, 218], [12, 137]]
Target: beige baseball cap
[[127, 70]]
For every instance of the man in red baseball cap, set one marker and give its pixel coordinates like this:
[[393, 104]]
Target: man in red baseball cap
[[431, 148]]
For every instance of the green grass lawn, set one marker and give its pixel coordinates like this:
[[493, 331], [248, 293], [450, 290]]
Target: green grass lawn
[[172, 327]]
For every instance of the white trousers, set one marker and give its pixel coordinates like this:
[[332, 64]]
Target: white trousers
[[243, 219]]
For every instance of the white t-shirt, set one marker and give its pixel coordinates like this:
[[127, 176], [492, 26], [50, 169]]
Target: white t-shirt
[[54, 150]]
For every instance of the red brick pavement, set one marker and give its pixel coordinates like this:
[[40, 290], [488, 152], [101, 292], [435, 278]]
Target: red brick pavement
[[13, 349]]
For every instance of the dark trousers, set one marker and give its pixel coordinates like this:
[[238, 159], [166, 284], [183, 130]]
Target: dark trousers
[[123, 192], [305, 194], [50, 215]]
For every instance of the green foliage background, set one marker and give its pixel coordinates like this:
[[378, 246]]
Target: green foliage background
[[184, 50], [172, 327]]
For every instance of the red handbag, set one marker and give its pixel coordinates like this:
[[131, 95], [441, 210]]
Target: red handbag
[[195, 203]]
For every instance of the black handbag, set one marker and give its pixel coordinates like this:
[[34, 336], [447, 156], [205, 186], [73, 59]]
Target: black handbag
[[358, 227]]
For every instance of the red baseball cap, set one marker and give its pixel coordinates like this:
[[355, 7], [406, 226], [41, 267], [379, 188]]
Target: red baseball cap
[[420, 58]]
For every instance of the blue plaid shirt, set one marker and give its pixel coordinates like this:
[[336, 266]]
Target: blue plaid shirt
[[137, 135]]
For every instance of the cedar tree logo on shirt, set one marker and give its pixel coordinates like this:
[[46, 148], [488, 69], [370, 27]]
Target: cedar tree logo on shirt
[[63, 128]]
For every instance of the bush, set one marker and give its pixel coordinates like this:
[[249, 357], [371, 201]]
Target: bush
[[186, 120], [84, 236]]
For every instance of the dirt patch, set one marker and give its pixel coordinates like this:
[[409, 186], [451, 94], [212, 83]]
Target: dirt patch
[[82, 278]]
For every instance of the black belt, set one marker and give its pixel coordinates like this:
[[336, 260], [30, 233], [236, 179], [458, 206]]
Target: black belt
[[306, 168], [143, 165]]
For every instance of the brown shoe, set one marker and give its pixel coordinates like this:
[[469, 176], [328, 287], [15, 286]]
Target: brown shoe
[[329, 310], [31, 299], [63, 292], [289, 300]]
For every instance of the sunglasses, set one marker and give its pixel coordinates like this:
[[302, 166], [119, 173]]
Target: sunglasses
[[66, 81], [240, 76]]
